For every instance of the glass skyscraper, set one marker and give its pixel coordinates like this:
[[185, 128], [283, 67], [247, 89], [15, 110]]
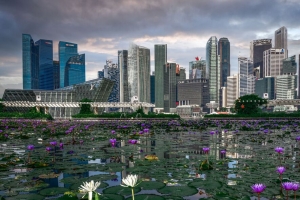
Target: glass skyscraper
[[212, 69], [123, 70], [65, 51], [197, 69], [45, 64], [257, 53], [30, 65], [111, 71], [75, 70], [152, 88], [169, 86], [160, 59], [281, 39], [224, 53], [56, 74]]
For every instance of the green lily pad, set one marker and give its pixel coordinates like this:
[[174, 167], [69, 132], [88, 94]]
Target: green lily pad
[[53, 191], [121, 190], [146, 197], [206, 184], [111, 197], [178, 190], [27, 197], [151, 185]]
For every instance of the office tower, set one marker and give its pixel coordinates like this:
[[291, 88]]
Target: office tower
[[101, 74], [265, 87], [197, 69], [258, 47], [139, 72], [65, 51], [30, 65], [169, 86], [111, 72], [212, 69], [152, 88], [45, 64], [160, 59], [289, 66], [224, 53], [273, 62], [182, 74], [281, 39], [123, 68], [56, 74], [194, 92], [246, 78], [232, 89], [75, 70], [286, 87]]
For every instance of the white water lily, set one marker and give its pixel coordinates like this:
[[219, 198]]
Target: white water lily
[[130, 181], [89, 187]]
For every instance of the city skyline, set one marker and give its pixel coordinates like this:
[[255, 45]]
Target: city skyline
[[100, 32]]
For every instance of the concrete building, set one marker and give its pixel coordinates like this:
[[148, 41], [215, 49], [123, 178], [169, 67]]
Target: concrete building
[[123, 68], [232, 89], [246, 78], [197, 69], [273, 62], [257, 47], [286, 87], [289, 66], [169, 87], [281, 39], [265, 87]]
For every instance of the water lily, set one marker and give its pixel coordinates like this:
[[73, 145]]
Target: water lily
[[90, 187], [113, 142], [30, 147], [205, 149], [61, 146], [280, 170], [279, 150], [287, 186], [130, 181], [298, 138], [132, 141], [258, 188], [53, 143], [48, 149]]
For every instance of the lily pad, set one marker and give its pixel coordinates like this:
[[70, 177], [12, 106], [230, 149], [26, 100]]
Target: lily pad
[[27, 197], [121, 190], [151, 185], [178, 190], [146, 197], [111, 197], [53, 191]]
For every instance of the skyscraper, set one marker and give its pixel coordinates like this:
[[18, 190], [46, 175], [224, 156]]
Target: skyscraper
[[65, 51], [111, 71], [75, 70], [265, 86], [45, 64], [56, 74], [123, 68], [258, 47], [281, 39], [289, 66], [139, 72], [197, 69], [152, 87], [286, 86], [224, 53], [232, 89], [160, 59], [212, 69], [30, 65], [273, 62], [169, 87], [246, 78]]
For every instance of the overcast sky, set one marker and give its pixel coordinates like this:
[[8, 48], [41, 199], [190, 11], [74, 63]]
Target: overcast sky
[[102, 27]]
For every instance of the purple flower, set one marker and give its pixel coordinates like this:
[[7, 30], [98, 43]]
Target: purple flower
[[53, 143], [296, 186], [212, 132], [132, 141], [280, 170], [146, 130], [258, 188], [113, 142], [141, 132], [61, 145], [113, 132], [288, 185], [223, 151], [205, 149], [298, 138], [48, 149], [30, 147], [279, 150]]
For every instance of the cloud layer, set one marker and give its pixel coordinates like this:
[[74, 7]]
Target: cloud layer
[[101, 28]]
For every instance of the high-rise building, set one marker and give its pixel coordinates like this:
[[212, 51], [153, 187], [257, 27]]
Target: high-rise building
[[232, 89], [75, 70], [169, 87], [212, 68], [286, 87], [257, 48], [152, 88], [281, 39], [273, 62], [111, 72], [45, 64], [123, 68], [65, 51], [265, 87], [289, 66], [197, 69], [101, 74], [139, 72], [246, 78], [30, 65], [180, 76], [56, 74], [224, 53], [160, 59]]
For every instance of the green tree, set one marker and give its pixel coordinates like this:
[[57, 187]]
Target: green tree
[[248, 104], [85, 108]]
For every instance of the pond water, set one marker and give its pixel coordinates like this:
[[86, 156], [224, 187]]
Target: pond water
[[212, 159]]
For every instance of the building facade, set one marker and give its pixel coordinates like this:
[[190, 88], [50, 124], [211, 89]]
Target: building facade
[[289, 66], [232, 89], [75, 70], [29, 62], [197, 69], [56, 74], [66, 50], [265, 87], [257, 49], [212, 68], [160, 59], [286, 87], [111, 72], [273, 62], [224, 53], [246, 78], [123, 69], [281, 39], [152, 88], [169, 87]]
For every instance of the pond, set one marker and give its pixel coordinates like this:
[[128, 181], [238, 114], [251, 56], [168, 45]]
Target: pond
[[212, 159]]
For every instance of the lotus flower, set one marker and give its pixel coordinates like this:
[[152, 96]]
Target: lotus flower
[[205, 149], [298, 138], [113, 142], [48, 149], [132, 141], [223, 151], [30, 147], [279, 150], [258, 188], [288, 185], [280, 170], [296, 186], [130, 181], [113, 132], [89, 188], [61, 146], [53, 143]]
